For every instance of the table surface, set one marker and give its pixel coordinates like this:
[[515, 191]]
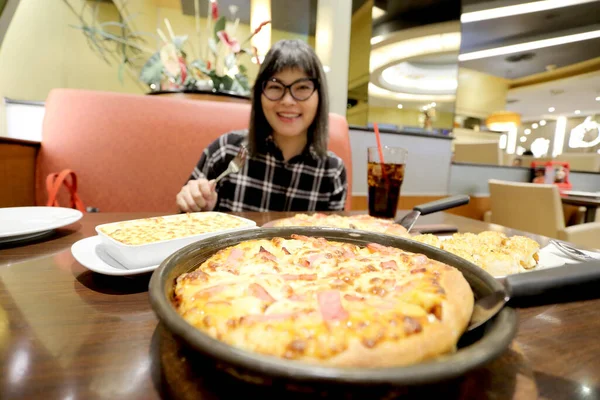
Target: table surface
[[69, 333], [581, 201]]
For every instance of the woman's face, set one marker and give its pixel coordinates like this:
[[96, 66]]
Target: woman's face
[[288, 116]]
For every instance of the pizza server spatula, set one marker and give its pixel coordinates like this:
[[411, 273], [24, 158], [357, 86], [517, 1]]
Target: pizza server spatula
[[540, 287], [439, 205]]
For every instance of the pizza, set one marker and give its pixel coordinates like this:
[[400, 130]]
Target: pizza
[[493, 251], [363, 222], [150, 230], [325, 302]]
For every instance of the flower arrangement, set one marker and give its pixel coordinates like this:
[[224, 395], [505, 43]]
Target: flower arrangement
[[170, 68]]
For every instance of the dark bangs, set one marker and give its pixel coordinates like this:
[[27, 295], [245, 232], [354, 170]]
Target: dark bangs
[[290, 54]]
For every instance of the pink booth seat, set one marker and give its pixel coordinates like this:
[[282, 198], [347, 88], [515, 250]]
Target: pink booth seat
[[134, 152]]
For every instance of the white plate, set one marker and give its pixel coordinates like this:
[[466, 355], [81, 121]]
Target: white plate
[[90, 252], [19, 223]]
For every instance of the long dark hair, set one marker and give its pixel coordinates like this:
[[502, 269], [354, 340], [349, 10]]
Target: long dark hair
[[293, 54]]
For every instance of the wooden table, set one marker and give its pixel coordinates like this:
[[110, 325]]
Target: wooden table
[[591, 204], [68, 333]]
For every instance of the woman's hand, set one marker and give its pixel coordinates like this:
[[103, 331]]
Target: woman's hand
[[197, 195]]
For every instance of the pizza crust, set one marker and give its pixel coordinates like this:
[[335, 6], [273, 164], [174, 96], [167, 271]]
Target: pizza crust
[[438, 335], [433, 341]]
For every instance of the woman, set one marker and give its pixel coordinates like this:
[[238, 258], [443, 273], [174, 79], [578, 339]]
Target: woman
[[288, 167]]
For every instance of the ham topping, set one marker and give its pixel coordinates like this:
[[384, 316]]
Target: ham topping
[[301, 277], [258, 291], [267, 318], [351, 297], [389, 265], [236, 254], [330, 305], [210, 291], [266, 254], [197, 275]]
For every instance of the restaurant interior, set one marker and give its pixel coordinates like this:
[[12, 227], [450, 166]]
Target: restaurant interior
[[487, 112]]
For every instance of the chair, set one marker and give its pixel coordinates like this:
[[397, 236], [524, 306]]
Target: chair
[[134, 152], [537, 208]]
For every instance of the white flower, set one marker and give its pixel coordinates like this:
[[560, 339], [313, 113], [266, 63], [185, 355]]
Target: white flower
[[170, 59]]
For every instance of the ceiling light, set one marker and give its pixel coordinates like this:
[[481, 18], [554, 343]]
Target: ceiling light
[[577, 112], [400, 106], [377, 12], [559, 136], [503, 140], [523, 139], [598, 98], [326, 68], [551, 109], [526, 8], [433, 104], [527, 131], [534, 126], [543, 122], [504, 121], [522, 47], [409, 48], [376, 39]]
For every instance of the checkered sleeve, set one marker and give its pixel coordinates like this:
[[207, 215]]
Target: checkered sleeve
[[337, 200]]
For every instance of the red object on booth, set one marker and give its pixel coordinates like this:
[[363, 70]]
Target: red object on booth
[[553, 172]]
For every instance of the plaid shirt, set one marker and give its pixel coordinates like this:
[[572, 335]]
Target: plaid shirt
[[266, 182]]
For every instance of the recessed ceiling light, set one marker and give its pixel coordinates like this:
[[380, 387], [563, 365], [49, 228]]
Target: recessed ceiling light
[[400, 106], [543, 122], [526, 8], [551, 109], [377, 39], [527, 131], [577, 112], [534, 126], [377, 12], [598, 98], [528, 46], [433, 104], [523, 139]]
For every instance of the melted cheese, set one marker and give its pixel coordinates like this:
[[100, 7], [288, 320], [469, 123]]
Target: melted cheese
[[151, 230], [306, 297], [362, 222], [493, 251]]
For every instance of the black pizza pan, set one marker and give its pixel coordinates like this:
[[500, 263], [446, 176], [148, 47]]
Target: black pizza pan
[[489, 342]]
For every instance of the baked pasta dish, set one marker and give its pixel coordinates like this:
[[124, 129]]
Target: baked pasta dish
[[326, 302], [156, 229], [493, 251], [363, 222]]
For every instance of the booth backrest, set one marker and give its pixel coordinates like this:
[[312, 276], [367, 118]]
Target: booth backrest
[[134, 152]]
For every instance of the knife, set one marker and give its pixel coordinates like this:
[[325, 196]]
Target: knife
[[439, 205]]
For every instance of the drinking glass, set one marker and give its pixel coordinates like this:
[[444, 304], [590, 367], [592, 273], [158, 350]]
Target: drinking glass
[[385, 179]]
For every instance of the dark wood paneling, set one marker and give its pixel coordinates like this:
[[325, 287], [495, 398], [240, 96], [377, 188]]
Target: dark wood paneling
[[17, 174]]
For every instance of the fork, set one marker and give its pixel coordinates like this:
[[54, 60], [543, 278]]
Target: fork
[[572, 251], [234, 165]]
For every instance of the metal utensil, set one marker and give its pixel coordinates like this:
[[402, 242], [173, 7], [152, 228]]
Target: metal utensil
[[428, 208], [572, 251], [235, 165], [533, 284]]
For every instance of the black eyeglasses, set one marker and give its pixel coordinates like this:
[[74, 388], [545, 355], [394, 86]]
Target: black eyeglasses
[[300, 90]]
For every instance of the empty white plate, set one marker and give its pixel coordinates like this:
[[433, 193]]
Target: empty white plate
[[90, 253], [20, 223]]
